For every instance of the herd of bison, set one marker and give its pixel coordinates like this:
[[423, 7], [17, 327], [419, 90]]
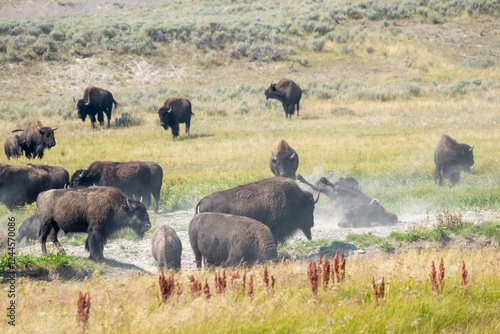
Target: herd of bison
[[230, 227]]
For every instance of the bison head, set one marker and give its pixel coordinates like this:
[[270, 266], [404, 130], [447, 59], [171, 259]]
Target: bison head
[[78, 179], [285, 164], [82, 107], [165, 117], [138, 217], [467, 157], [271, 91], [47, 135]]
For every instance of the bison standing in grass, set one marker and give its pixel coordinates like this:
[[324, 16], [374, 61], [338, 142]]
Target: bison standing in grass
[[229, 240], [288, 93], [167, 248], [450, 157], [13, 147], [98, 211], [277, 202], [175, 110], [36, 138], [284, 161], [96, 101]]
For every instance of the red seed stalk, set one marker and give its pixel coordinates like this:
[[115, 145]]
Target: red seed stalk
[[272, 283], [312, 274], [250, 287], [379, 291], [266, 277], [336, 266], [441, 275], [464, 275], [244, 281], [432, 276], [206, 290], [342, 266], [195, 286], [83, 305], [166, 286], [326, 273]]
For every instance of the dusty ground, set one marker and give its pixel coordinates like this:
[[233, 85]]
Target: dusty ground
[[127, 256]]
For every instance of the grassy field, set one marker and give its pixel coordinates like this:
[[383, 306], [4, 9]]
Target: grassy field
[[384, 81]]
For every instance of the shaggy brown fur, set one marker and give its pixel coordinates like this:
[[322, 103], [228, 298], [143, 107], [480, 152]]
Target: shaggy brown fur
[[277, 202], [288, 93], [96, 101], [155, 183], [98, 211], [36, 138], [450, 157], [29, 229], [284, 161], [133, 178], [58, 175], [228, 240], [167, 248], [20, 185], [13, 147], [175, 110]]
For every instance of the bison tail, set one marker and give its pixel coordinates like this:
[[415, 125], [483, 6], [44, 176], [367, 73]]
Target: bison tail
[[115, 103], [197, 206], [17, 130], [305, 91]]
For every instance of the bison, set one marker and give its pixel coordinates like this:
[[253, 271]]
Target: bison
[[450, 157], [20, 185], [288, 93], [277, 202], [29, 229], [59, 177], [96, 101], [175, 110], [36, 138], [133, 178], [284, 161], [13, 147], [155, 183], [167, 248], [353, 207], [228, 240], [98, 211]]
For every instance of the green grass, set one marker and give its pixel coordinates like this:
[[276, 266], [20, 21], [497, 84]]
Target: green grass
[[50, 262]]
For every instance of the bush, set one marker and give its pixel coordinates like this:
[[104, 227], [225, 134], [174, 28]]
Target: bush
[[317, 44], [125, 121]]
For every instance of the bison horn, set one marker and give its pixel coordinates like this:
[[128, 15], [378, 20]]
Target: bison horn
[[131, 206], [471, 148], [55, 129], [87, 102], [293, 155], [317, 198], [74, 99], [140, 199], [81, 175], [374, 201]]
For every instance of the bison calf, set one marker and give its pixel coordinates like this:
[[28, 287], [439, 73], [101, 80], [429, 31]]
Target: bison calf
[[13, 147], [98, 211], [29, 229], [288, 93], [167, 248], [284, 161], [228, 240], [175, 110], [450, 157]]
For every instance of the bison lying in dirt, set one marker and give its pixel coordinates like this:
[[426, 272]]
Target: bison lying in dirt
[[228, 240], [29, 229], [167, 248], [96, 101], [284, 161], [175, 110], [133, 178], [36, 138], [277, 202], [352, 207], [450, 157], [288, 93], [98, 211], [20, 185], [13, 147]]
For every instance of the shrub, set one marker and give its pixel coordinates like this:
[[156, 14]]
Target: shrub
[[317, 44], [125, 121]]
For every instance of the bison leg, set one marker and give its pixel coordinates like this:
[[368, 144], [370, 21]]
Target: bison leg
[[92, 121], [438, 178], [43, 234], [96, 247], [298, 110], [156, 196], [53, 234], [100, 118], [188, 124], [455, 178], [197, 257]]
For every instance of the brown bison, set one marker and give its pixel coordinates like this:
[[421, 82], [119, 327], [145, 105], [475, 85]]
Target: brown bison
[[20, 185], [13, 147], [353, 207], [96, 101], [133, 178], [29, 229], [288, 93], [450, 157], [277, 202], [228, 240], [284, 161], [59, 177], [175, 110], [167, 248], [36, 138], [98, 211]]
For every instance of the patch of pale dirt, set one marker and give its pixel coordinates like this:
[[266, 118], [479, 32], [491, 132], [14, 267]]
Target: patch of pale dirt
[[129, 256]]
